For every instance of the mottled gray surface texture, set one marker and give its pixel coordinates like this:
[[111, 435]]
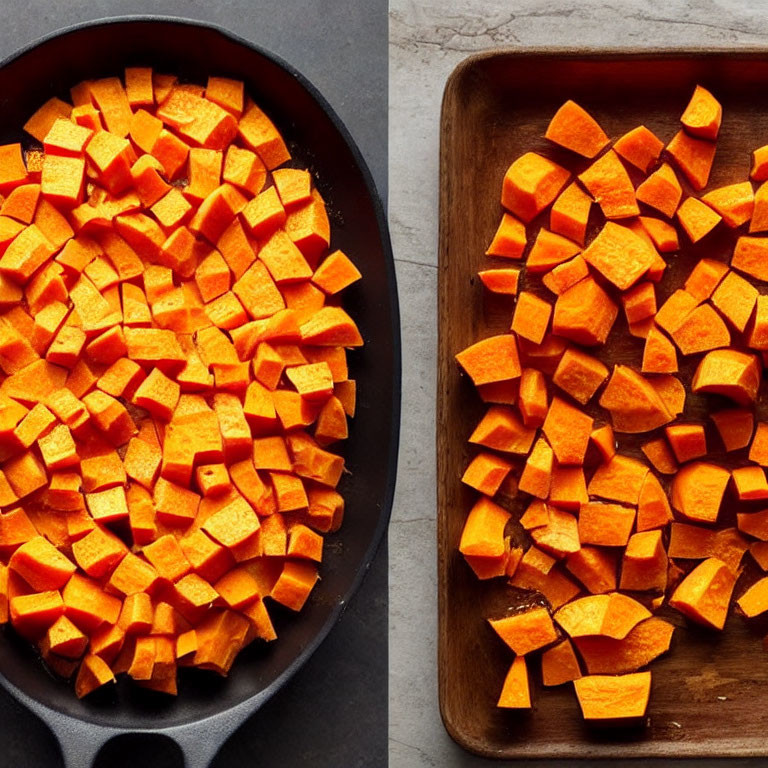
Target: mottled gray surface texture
[[427, 41], [333, 713]]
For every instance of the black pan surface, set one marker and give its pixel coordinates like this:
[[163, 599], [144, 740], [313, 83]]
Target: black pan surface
[[209, 708]]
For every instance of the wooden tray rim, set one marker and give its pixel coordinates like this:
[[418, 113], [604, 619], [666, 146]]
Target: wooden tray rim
[[730, 747]]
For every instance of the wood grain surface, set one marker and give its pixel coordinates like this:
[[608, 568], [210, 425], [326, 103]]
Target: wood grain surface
[[710, 693]]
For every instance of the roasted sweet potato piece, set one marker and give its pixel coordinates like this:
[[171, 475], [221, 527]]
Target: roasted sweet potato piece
[[645, 642], [531, 183], [694, 157], [574, 128], [703, 114], [728, 372], [609, 184], [697, 490], [705, 593]]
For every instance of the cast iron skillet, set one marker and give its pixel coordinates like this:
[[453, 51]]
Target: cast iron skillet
[[208, 708]]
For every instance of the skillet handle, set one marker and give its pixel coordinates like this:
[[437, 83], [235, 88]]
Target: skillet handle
[[200, 742], [80, 742]]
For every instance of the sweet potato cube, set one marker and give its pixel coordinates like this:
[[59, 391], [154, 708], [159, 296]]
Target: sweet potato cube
[[526, 631], [567, 430], [32, 615], [612, 615], [176, 506], [62, 179], [584, 313], [109, 505], [155, 347], [640, 147], [25, 474], [133, 574], [98, 552], [728, 372], [158, 394], [559, 664], [694, 157], [613, 697], [501, 430], [619, 254], [294, 584], [41, 565], [705, 593], [559, 535], [609, 184], [644, 566], [579, 374], [227, 93], [735, 427], [734, 203], [754, 601], [336, 273], [648, 640], [703, 114], [574, 128], [606, 525], [634, 403], [531, 183], [233, 524], [594, 567], [492, 359], [662, 234], [661, 190], [110, 155], [313, 381], [29, 250], [735, 298], [168, 557], [697, 491], [483, 533], [259, 133], [758, 222], [688, 441], [203, 122], [515, 693]]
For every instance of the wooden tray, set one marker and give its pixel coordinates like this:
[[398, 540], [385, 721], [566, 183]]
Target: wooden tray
[[710, 694]]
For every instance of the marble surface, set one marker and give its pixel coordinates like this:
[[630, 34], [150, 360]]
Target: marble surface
[[427, 40]]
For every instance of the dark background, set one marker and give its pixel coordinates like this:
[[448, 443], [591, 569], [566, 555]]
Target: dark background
[[334, 711]]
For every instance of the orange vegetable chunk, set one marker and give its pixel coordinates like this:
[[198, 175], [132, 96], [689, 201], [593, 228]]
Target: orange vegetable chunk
[[613, 697], [619, 254], [697, 490], [647, 641], [661, 190], [694, 157], [703, 114], [705, 593], [531, 183], [570, 213], [526, 631], [612, 615], [640, 147], [728, 372], [515, 693], [574, 128], [734, 203], [584, 313], [610, 186]]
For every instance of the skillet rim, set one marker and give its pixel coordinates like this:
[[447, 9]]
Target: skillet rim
[[252, 703]]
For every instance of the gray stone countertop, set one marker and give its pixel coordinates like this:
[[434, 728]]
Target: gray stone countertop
[[427, 41]]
